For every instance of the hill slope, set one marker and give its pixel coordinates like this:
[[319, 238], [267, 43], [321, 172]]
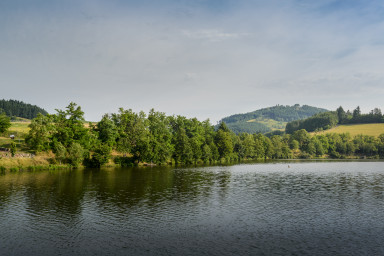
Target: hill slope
[[356, 129], [15, 108], [269, 119]]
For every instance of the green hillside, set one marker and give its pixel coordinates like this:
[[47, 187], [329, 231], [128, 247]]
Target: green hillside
[[15, 108], [356, 129], [269, 119], [328, 120]]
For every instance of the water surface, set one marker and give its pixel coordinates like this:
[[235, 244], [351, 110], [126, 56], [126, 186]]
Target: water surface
[[295, 208]]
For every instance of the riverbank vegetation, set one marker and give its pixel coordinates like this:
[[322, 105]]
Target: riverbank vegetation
[[128, 138]]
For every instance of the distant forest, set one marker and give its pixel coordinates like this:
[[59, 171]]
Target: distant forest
[[252, 122], [15, 108], [327, 120]]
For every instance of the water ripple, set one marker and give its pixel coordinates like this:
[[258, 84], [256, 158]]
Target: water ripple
[[333, 208]]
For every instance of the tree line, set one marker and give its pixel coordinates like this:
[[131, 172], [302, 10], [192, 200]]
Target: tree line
[[15, 108], [327, 120], [160, 139]]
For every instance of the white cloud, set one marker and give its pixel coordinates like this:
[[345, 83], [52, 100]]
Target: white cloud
[[184, 60], [211, 35]]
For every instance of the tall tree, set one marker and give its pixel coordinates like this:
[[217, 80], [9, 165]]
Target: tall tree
[[70, 128], [341, 114], [160, 137], [41, 132], [224, 143], [133, 133], [5, 122], [107, 130], [356, 112]]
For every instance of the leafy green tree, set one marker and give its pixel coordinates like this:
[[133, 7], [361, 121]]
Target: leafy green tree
[[310, 148], [69, 127], [286, 152], [302, 136], [381, 145], [13, 148], [342, 116], [206, 154], [134, 136], [249, 145], [294, 144], [239, 149], [215, 152], [321, 121], [107, 131], [319, 150], [41, 132], [75, 154], [356, 112], [259, 149], [183, 151], [99, 157], [160, 142], [5, 122], [224, 143], [277, 147], [196, 146], [324, 142], [60, 152], [223, 127]]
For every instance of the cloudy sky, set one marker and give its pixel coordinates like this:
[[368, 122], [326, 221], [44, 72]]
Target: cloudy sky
[[197, 58]]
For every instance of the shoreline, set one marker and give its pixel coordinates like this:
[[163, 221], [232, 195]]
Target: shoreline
[[46, 163]]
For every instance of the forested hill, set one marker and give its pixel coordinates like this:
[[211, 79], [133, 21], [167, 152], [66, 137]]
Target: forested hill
[[15, 108], [269, 119]]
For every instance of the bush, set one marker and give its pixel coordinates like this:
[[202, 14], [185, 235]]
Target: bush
[[75, 154], [99, 157], [335, 155], [304, 155], [124, 161]]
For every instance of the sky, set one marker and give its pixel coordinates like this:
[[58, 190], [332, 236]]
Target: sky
[[196, 58]]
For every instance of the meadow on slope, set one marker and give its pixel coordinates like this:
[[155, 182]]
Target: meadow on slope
[[355, 129]]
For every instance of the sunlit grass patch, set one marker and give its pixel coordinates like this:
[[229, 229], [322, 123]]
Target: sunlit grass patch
[[355, 129]]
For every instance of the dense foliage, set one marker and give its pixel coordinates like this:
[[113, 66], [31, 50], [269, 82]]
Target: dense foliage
[[240, 122], [15, 108], [327, 120], [320, 121], [248, 127], [5, 122], [160, 139]]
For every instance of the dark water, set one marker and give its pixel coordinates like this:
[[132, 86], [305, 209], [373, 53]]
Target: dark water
[[329, 208]]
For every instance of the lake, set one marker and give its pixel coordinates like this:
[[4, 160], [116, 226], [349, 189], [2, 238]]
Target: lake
[[280, 208]]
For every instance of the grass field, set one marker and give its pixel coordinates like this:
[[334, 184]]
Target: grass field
[[20, 130], [21, 127], [271, 123], [355, 129]]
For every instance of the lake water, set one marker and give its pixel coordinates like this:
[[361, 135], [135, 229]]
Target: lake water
[[286, 208]]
